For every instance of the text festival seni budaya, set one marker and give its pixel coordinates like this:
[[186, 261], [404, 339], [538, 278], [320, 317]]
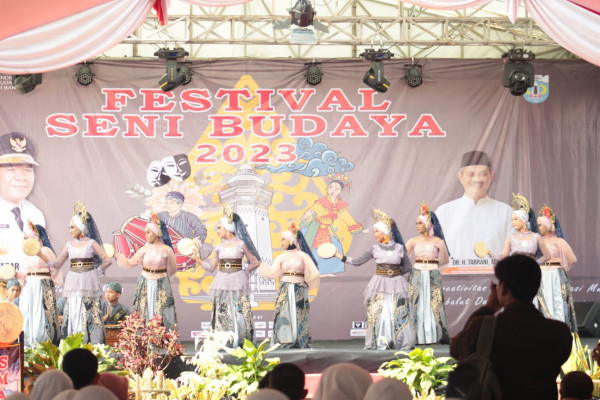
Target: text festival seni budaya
[[156, 115]]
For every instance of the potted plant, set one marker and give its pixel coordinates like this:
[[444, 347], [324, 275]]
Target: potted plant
[[420, 370], [581, 359]]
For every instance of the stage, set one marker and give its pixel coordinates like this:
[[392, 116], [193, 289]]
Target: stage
[[326, 353]]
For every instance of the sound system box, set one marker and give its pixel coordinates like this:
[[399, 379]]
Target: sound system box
[[588, 318]]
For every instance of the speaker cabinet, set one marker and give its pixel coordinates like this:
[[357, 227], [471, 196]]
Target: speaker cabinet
[[588, 318]]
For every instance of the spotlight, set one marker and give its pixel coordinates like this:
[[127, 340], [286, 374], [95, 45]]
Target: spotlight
[[26, 83], [313, 73], [374, 77], [84, 75], [174, 76], [518, 74], [302, 16], [413, 74]]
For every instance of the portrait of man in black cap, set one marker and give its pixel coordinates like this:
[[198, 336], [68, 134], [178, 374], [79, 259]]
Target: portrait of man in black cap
[[17, 176], [475, 217], [184, 222]]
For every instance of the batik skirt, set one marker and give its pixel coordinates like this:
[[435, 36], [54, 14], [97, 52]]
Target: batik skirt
[[427, 303], [40, 317], [84, 314], [155, 297], [556, 299], [291, 328], [233, 313]]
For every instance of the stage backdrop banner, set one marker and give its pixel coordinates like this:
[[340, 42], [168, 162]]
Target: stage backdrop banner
[[255, 135]]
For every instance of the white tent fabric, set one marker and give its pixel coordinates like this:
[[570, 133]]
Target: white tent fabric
[[575, 25]]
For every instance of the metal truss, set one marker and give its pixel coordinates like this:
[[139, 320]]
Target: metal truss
[[246, 31]]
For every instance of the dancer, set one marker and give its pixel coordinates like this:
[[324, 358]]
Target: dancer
[[83, 292], [153, 294], [388, 321], [556, 289], [230, 288], [426, 295], [319, 222], [525, 240], [298, 273], [38, 299]]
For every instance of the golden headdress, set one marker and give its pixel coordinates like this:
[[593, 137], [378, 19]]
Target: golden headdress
[[80, 210], [547, 212], [382, 221], [519, 202]]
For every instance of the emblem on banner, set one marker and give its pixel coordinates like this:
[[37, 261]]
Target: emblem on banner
[[540, 90], [18, 145]]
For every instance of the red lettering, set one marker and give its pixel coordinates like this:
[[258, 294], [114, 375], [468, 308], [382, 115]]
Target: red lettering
[[98, 125], [206, 157], [173, 126], [349, 125], [233, 153], [4, 361], [226, 126], [337, 98], [290, 100], [233, 98], [137, 124], [264, 99], [368, 96], [388, 126], [426, 124], [196, 100], [114, 99], [157, 100], [299, 125], [63, 125], [261, 152], [4, 379], [258, 124]]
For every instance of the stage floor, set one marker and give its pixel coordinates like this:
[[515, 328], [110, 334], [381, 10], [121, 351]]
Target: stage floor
[[326, 353]]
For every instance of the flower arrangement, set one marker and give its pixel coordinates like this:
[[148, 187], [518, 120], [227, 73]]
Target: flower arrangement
[[146, 344]]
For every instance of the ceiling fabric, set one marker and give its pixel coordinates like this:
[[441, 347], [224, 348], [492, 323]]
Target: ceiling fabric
[[81, 34]]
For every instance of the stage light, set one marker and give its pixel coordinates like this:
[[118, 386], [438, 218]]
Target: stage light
[[302, 16], [313, 73], [84, 75], [176, 75], [26, 83], [413, 74], [518, 74], [374, 77]]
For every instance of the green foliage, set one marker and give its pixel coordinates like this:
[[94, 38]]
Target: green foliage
[[244, 378], [46, 355], [421, 371], [581, 360]]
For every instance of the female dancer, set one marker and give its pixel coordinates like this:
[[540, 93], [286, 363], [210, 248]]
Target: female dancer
[[38, 299], [556, 289], [298, 273], [230, 288], [318, 223], [386, 295], [83, 306], [426, 296], [153, 294], [525, 240]]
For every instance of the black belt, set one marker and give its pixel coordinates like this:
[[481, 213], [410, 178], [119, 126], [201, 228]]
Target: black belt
[[38, 274], [427, 261], [293, 273], [230, 265], [82, 264], [552, 263], [154, 270], [388, 269]]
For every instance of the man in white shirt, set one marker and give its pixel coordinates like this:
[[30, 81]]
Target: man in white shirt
[[475, 217], [17, 177]]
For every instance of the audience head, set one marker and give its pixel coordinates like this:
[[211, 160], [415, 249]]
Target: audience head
[[117, 384], [18, 396], [576, 385], [82, 366], [289, 379], [521, 275], [267, 394], [343, 381], [264, 381], [50, 383], [94, 392], [65, 395], [388, 389]]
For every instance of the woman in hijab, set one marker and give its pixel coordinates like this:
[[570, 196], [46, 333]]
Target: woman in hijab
[[153, 294], [230, 289], [267, 394], [297, 273], [426, 296], [94, 392], [343, 381], [386, 296], [50, 383], [389, 389], [83, 307]]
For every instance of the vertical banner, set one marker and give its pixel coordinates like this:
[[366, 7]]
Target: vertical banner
[[10, 370]]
